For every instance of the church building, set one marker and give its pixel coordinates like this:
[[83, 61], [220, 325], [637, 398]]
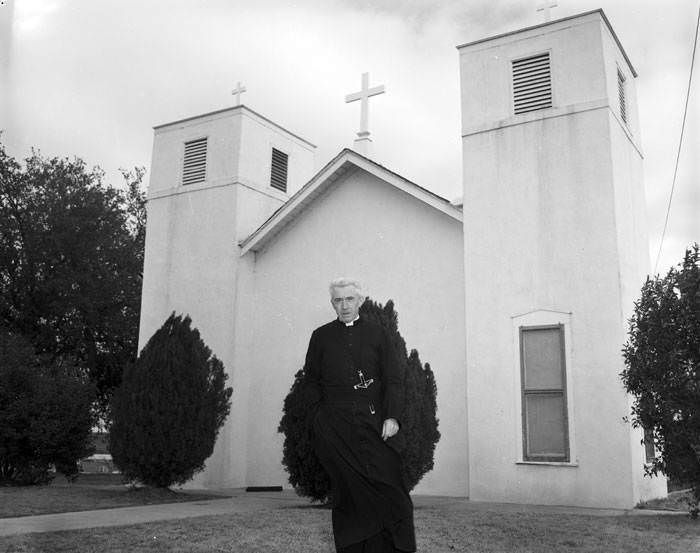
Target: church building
[[518, 299]]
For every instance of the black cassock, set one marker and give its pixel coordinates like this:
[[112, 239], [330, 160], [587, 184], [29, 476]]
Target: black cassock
[[372, 510]]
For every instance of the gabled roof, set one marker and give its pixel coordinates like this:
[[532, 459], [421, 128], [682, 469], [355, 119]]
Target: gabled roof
[[345, 162]]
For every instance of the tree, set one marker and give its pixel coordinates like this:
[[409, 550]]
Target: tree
[[167, 413], [71, 262], [419, 425], [45, 415], [662, 370]]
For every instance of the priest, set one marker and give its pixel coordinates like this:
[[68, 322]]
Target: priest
[[351, 364]]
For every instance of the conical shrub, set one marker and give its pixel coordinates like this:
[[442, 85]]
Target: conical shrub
[[167, 413], [419, 424]]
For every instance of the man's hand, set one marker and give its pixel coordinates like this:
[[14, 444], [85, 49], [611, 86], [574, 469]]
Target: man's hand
[[391, 427]]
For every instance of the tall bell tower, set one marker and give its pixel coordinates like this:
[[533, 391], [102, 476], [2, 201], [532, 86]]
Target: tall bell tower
[[556, 252], [215, 178]]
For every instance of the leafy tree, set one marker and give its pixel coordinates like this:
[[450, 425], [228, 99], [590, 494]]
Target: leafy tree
[[167, 413], [45, 415], [71, 261], [662, 358], [419, 425]]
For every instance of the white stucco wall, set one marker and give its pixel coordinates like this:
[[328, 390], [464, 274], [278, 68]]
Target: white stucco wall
[[557, 249], [223, 132], [258, 137], [193, 231], [403, 250], [577, 66], [190, 263], [552, 218], [634, 263]]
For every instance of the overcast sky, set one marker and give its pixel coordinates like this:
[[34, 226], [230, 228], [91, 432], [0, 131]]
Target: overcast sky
[[91, 78]]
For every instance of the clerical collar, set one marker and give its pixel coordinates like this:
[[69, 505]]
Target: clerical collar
[[352, 323]]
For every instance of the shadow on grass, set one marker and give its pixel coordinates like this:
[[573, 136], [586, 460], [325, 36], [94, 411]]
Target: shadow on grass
[[676, 501], [316, 506]]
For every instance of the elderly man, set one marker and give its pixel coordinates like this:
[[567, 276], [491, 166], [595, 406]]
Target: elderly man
[[352, 364]]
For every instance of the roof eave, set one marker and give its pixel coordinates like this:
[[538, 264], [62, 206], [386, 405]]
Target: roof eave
[[334, 170]]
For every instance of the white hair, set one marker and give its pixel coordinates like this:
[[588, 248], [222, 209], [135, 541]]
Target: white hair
[[342, 282]]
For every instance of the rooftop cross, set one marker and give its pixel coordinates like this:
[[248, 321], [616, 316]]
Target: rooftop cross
[[240, 89], [362, 140], [546, 7]]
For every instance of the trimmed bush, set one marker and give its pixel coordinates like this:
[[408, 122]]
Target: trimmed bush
[[419, 425], [45, 415], [306, 474], [167, 413]]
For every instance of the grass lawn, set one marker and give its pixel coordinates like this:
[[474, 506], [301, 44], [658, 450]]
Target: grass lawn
[[450, 527], [90, 491], [439, 529]]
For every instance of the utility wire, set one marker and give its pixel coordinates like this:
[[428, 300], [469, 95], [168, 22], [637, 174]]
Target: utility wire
[[680, 143]]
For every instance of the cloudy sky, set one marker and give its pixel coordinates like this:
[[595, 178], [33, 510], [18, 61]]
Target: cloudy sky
[[91, 78]]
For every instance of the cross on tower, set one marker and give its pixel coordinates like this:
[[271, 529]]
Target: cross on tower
[[362, 141], [546, 7], [240, 89]]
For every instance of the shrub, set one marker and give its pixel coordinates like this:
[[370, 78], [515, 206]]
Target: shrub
[[167, 413], [45, 415], [662, 358], [306, 474], [419, 425], [419, 422]]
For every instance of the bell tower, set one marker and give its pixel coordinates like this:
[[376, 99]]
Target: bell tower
[[214, 179], [556, 252]]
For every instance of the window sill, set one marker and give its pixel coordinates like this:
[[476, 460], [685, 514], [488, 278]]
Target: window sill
[[548, 463]]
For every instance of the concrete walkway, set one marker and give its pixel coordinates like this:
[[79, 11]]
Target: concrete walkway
[[240, 502]]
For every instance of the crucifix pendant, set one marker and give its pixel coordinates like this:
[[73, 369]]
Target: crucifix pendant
[[364, 384]]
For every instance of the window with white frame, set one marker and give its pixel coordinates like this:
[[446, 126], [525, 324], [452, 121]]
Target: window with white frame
[[543, 393]]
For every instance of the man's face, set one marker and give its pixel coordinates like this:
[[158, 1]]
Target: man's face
[[346, 302]]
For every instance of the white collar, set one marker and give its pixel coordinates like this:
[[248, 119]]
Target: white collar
[[352, 323]]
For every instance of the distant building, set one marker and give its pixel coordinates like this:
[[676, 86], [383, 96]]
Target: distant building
[[101, 460], [518, 296]]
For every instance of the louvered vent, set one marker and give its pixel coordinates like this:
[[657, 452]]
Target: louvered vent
[[278, 174], [194, 168], [621, 94], [532, 83]]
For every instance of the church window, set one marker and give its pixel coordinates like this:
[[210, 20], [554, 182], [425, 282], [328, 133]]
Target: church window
[[649, 449], [194, 167], [543, 382], [621, 94], [278, 173], [532, 83]]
